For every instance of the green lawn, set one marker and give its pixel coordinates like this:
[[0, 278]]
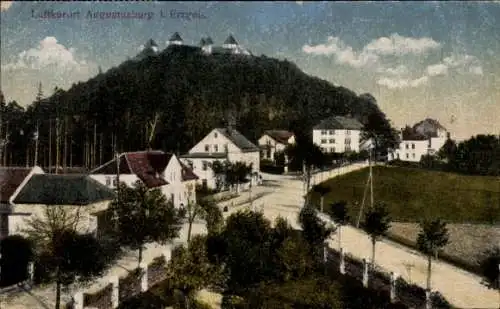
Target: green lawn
[[414, 194]]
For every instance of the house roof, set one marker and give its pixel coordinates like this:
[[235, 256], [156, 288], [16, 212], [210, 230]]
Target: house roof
[[52, 189], [147, 165], [203, 42], [205, 155], [281, 136], [10, 179], [150, 43], [428, 127], [66, 170], [238, 139], [187, 173], [175, 37], [339, 123], [209, 41], [230, 40]]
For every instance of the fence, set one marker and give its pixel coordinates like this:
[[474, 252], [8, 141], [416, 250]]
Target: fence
[[397, 289], [120, 289]]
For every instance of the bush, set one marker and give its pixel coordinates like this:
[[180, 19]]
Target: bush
[[489, 267], [267, 166], [17, 252]]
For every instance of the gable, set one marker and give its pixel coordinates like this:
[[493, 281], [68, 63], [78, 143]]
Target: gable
[[10, 180], [210, 139]]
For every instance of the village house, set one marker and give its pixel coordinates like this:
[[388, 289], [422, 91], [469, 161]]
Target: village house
[[274, 141], [79, 195], [221, 144], [12, 180], [338, 134], [156, 169], [424, 138]]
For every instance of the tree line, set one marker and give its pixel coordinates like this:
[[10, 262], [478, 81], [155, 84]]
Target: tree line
[[167, 102]]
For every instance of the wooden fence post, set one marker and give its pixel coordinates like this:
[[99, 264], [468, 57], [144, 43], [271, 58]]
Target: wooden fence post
[[144, 277], [78, 300], [393, 286], [167, 254], [115, 291], [365, 273], [31, 271], [342, 261], [428, 301]]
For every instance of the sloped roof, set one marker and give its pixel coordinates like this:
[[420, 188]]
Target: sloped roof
[[238, 139], [230, 40], [175, 37], [428, 127], [203, 42], [10, 179], [52, 189], [280, 136], [147, 165], [209, 41], [339, 123], [205, 155], [187, 173], [150, 43], [66, 170]]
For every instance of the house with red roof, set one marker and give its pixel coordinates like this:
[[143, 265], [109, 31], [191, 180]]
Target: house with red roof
[[156, 169], [274, 141]]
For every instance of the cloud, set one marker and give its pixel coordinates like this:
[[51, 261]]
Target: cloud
[[343, 53], [48, 54], [437, 69], [396, 44], [397, 71], [5, 5], [401, 83]]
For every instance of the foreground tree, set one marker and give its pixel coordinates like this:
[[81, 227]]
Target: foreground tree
[[190, 269], [16, 253], [66, 255], [490, 267], [213, 215], [314, 231], [338, 213], [433, 236], [377, 222], [144, 216]]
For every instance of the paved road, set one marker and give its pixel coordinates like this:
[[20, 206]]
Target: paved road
[[44, 297], [462, 289]]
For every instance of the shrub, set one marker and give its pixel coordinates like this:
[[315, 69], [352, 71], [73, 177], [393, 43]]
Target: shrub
[[17, 252], [489, 267]]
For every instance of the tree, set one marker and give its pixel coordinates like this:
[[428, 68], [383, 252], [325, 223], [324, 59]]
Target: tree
[[489, 266], [339, 214], [433, 236], [448, 150], [16, 252], [322, 190], [144, 216], [190, 269], [314, 230], [213, 217], [67, 255], [308, 155], [193, 210], [377, 222], [219, 170]]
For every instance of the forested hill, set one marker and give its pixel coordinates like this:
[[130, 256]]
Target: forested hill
[[189, 93]]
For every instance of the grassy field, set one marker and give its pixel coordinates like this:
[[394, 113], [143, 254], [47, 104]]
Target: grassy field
[[414, 194], [470, 205]]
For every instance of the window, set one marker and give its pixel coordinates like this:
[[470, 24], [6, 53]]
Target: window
[[108, 181], [347, 147], [332, 149], [347, 132], [407, 146], [205, 165], [412, 146], [215, 134], [4, 225], [323, 132], [172, 197], [204, 183], [323, 141], [348, 141], [216, 148], [331, 132], [115, 181], [226, 148], [398, 155], [407, 156], [207, 148], [413, 155], [190, 163], [332, 141]]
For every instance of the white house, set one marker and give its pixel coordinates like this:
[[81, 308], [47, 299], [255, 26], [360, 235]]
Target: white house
[[273, 141], [12, 180], [338, 134], [175, 39], [221, 144], [156, 169], [425, 138]]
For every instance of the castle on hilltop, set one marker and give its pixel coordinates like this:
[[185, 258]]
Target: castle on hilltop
[[230, 46]]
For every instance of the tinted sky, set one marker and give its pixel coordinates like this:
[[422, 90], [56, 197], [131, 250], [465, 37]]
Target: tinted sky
[[419, 59]]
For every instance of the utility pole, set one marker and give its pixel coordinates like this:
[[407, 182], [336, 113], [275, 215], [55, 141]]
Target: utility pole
[[369, 183], [371, 178], [50, 146], [37, 143]]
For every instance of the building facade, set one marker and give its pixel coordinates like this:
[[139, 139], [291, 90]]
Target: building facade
[[338, 134], [274, 141]]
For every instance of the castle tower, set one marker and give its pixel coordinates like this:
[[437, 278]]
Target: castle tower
[[230, 43], [206, 45], [151, 44], [175, 39]]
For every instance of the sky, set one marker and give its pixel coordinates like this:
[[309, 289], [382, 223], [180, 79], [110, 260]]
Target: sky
[[420, 60]]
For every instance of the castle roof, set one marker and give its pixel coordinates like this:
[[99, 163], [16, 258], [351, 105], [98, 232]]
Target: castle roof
[[209, 41], [151, 43], [175, 37], [203, 42], [230, 40]]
